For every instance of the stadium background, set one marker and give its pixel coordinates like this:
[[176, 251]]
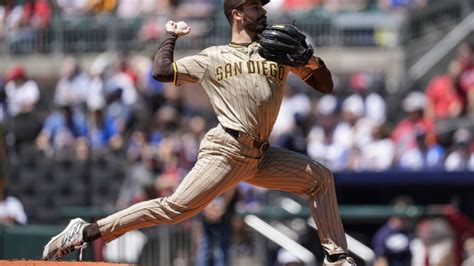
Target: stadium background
[[131, 138]]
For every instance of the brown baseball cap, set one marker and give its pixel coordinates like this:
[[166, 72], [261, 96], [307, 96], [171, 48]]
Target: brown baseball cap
[[232, 4]]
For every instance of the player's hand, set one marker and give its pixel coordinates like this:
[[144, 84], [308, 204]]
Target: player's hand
[[172, 26]]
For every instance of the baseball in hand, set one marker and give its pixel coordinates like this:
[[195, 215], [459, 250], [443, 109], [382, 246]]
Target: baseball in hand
[[181, 26]]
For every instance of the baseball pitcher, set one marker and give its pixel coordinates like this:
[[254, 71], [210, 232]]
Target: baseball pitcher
[[244, 81]]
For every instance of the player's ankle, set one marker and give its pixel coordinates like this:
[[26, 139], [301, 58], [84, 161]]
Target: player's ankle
[[336, 257], [91, 232]]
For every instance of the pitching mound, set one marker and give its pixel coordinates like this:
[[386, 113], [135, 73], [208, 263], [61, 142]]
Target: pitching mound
[[51, 263]]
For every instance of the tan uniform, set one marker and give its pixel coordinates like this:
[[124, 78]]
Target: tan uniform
[[245, 91]]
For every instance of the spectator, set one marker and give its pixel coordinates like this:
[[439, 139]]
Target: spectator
[[10, 17], [326, 142], [404, 134], [345, 5], [469, 251], [196, 14], [294, 103], [22, 93], [131, 9], [73, 87], [426, 155], [300, 5], [3, 103], [73, 9], [400, 5], [216, 220], [443, 101], [37, 13], [15, 27], [102, 131], [461, 158], [100, 7], [433, 243], [464, 54], [391, 242], [122, 76], [62, 130], [140, 175], [290, 128], [116, 111], [466, 86], [22, 96], [379, 154], [11, 209], [356, 127], [363, 85]]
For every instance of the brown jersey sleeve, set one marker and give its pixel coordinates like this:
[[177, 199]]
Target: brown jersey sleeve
[[163, 69], [320, 79]]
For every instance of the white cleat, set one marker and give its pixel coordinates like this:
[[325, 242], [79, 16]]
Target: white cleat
[[348, 261], [66, 242]]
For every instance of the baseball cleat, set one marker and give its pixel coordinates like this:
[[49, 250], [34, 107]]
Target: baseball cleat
[[69, 240], [347, 261]]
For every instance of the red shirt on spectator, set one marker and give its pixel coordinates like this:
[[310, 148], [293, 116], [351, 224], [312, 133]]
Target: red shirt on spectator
[[466, 79], [466, 87], [404, 134], [300, 4], [442, 96], [37, 13]]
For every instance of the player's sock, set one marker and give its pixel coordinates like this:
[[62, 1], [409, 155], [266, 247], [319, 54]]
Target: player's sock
[[336, 257], [91, 232]]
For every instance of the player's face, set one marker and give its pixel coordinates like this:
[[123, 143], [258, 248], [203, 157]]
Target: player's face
[[255, 19]]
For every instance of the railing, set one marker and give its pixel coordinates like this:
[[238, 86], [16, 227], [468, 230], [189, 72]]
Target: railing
[[356, 247], [442, 48], [163, 245], [281, 239], [426, 27], [98, 34]]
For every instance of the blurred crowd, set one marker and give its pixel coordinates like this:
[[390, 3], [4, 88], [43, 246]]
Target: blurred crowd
[[352, 132], [25, 24], [115, 104]]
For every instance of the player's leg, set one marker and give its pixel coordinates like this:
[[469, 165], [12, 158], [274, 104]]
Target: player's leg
[[285, 170], [215, 172]]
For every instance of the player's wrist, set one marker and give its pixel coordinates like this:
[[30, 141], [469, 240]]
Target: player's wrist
[[315, 63], [170, 34]]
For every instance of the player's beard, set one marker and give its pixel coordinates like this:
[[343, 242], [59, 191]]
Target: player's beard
[[255, 26]]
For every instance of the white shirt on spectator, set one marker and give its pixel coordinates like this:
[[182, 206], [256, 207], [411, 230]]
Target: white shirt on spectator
[[129, 9], [96, 99], [21, 96], [129, 93], [72, 91], [333, 153], [375, 108], [73, 7], [377, 155], [290, 106], [12, 207], [455, 161]]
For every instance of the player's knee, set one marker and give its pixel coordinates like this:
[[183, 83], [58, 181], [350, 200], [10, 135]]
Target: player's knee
[[174, 213], [324, 179], [327, 176]]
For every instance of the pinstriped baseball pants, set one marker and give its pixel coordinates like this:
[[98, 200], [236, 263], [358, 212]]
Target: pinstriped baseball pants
[[223, 162]]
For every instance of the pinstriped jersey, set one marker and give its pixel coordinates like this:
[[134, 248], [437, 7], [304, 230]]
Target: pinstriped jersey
[[245, 90]]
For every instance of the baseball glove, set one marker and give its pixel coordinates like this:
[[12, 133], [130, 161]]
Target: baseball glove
[[285, 44]]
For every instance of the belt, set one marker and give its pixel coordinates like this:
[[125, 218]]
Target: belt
[[261, 145]]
